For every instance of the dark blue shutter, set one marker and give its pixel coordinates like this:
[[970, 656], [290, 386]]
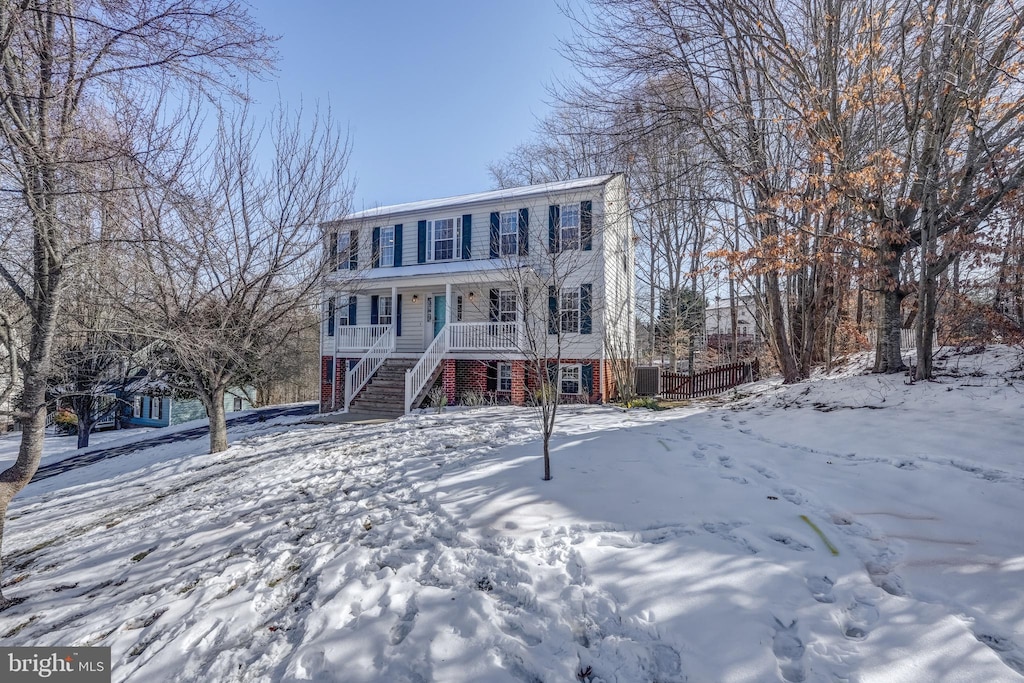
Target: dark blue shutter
[[554, 223], [524, 232], [333, 250], [586, 323], [587, 376], [467, 235], [374, 307], [353, 250], [398, 315], [493, 308], [495, 234], [328, 371], [375, 249], [586, 224], [421, 242], [552, 311], [330, 317], [351, 310], [398, 245]]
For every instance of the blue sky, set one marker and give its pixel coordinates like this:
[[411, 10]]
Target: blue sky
[[432, 90]]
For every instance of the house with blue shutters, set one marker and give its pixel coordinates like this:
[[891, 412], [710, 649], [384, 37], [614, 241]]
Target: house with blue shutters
[[461, 293]]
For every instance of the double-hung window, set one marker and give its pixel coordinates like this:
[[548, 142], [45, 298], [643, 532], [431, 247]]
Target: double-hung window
[[504, 377], [569, 379], [384, 310], [569, 228], [442, 236], [342, 313], [344, 250], [509, 233], [387, 246], [507, 306], [569, 310]]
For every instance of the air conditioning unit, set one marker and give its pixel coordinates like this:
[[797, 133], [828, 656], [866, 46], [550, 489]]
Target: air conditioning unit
[[648, 381]]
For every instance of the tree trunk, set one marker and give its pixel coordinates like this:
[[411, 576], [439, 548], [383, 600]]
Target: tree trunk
[[777, 330], [888, 359], [17, 476], [84, 412], [218, 421], [84, 430]]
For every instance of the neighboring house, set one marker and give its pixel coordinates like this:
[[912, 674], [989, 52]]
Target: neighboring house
[[439, 292], [156, 410], [719, 326]]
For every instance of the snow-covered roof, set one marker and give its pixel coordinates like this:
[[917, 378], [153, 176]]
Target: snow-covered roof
[[491, 195]]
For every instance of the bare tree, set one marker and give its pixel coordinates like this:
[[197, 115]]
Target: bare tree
[[61, 60], [237, 251]]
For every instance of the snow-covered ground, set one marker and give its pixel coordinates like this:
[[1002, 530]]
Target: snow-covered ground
[[674, 546]]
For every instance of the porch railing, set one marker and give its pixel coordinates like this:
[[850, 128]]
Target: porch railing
[[458, 337], [358, 337], [484, 336], [417, 377], [357, 377]]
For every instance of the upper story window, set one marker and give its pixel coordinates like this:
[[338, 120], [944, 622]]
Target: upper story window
[[442, 236], [569, 228], [344, 250], [509, 233], [387, 246]]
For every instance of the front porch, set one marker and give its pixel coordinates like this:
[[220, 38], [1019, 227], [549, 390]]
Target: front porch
[[423, 320]]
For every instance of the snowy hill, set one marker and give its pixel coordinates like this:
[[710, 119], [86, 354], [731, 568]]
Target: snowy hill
[[687, 545]]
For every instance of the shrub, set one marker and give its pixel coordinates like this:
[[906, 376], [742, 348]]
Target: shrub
[[643, 402], [66, 422], [474, 398], [437, 398]]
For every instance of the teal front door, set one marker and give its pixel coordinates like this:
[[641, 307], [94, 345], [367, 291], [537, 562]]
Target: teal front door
[[439, 306]]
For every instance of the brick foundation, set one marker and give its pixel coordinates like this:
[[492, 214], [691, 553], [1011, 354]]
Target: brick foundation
[[340, 366]]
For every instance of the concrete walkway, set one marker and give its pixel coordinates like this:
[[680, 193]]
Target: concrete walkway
[[349, 418]]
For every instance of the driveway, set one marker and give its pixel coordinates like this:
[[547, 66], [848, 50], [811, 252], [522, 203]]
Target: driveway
[[92, 456]]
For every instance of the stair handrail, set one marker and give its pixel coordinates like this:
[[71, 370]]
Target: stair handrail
[[357, 377], [417, 376]]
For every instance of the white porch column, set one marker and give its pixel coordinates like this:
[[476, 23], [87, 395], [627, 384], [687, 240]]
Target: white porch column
[[447, 303], [394, 317]]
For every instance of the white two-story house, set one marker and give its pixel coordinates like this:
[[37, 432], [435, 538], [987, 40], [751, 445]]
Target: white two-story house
[[474, 294]]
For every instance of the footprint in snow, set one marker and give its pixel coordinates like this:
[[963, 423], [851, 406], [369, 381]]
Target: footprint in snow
[[726, 461], [821, 588], [789, 651], [1005, 648], [405, 623], [789, 542], [858, 619]]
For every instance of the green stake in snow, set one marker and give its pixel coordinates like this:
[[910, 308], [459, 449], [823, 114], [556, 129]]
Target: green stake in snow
[[834, 550]]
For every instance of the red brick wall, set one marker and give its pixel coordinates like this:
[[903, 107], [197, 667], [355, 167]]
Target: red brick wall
[[340, 365]]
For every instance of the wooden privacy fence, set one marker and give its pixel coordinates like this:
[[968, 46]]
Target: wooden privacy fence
[[676, 385]]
